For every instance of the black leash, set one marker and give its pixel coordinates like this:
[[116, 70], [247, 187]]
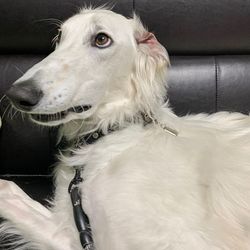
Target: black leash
[[80, 217]]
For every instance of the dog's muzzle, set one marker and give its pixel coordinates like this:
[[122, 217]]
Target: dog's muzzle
[[25, 95]]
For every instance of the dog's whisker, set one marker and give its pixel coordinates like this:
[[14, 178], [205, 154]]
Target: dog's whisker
[[15, 113], [53, 21], [18, 69], [54, 40], [2, 98], [22, 115], [10, 115], [6, 111]]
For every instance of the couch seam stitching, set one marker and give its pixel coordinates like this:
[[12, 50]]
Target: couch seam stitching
[[216, 82]]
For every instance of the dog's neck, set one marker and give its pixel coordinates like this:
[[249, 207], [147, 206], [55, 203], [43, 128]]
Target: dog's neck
[[78, 128], [120, 118]]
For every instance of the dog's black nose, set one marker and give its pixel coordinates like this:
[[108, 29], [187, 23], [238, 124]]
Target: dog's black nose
[[24, 95]]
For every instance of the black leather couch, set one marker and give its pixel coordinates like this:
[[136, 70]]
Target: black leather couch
[[209, 45]]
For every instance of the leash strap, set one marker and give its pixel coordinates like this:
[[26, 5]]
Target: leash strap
[[80, 217]]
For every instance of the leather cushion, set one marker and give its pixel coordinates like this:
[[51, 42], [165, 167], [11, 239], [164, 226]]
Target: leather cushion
[[29, 26], [199, 27], [184, 27], [207, 84]]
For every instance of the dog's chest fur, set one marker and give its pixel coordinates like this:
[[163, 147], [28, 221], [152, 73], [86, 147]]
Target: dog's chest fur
[[146, 189]]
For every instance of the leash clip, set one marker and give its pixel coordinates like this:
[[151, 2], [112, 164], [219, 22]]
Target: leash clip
[[76, 180]]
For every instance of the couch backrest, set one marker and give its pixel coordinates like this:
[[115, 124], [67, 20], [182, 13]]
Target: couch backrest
[[208, 41]]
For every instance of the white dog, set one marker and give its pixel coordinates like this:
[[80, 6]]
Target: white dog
[[153, 180]]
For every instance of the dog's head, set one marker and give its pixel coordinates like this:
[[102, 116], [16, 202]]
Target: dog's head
[[102, 62]]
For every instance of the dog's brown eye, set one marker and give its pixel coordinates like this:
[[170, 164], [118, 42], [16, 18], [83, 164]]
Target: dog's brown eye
[[102, 40]]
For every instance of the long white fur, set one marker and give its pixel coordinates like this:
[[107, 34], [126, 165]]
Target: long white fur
[[144, 188]]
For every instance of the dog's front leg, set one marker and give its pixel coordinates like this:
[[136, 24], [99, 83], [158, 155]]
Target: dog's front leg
[[34, 222]]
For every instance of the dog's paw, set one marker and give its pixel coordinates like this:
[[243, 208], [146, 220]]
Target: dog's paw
[[14, 201], [4, 183], [8, 188]]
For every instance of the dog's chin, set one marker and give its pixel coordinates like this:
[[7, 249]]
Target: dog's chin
[[56, 119]]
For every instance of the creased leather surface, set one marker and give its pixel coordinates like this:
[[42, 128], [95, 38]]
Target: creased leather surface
[[185, 27], [234, 83], [29, 26], [199, 27], [207, 84], [191, 83]]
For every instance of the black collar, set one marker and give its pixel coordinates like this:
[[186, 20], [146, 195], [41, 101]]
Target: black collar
[[94, 136], [89, 138]]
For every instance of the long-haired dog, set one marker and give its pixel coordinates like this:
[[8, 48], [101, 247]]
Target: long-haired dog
[[152, 180]]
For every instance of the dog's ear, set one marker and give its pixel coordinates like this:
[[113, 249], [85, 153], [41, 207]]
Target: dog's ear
[[151, 63]]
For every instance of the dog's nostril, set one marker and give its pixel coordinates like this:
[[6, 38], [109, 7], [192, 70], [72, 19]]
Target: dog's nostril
[[24, 95], [25, 103]]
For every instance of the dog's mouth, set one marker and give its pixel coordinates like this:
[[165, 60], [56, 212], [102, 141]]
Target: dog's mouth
[[39, 117]]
